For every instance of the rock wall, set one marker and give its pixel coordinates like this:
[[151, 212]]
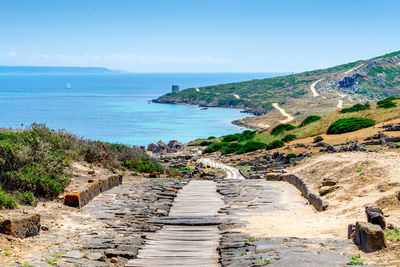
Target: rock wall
[[318, 203], [90, 190], [20, 225]]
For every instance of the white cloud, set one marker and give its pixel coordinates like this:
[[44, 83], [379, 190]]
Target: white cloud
[[12, 53]]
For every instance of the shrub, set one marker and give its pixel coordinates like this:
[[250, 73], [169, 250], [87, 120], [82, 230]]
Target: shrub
[[231, 137], [143, 164], [247, 134], [216, 147], [211, 137], [7, 201], [280, 128], [251, 146], [318, 139], [185, 169], [387, 103], [289, 157], [26, 198], [288, 138], [205, 143], [349, 125], [232, 148], [275, 144], [356, 108], [309, 119]]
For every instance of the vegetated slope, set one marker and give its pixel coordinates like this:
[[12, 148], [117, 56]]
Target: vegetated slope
[[335, 122], [359, 81], [33, 161]]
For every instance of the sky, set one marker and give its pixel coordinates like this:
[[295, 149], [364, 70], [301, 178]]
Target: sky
[[197, 35]]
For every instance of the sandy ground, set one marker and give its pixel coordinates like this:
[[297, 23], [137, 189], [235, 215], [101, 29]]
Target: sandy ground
[[291, 217]]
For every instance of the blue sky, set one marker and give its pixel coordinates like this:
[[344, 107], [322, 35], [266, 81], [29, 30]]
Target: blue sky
[[197, 36]]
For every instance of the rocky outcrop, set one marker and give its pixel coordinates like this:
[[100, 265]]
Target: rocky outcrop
[[162, 148], [369, 237], [349, 81], [318, 203]]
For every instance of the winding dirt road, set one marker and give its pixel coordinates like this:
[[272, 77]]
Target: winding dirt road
[[315, 93], [284, 113]]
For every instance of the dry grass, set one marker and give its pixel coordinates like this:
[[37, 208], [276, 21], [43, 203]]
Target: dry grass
[[321, 126]]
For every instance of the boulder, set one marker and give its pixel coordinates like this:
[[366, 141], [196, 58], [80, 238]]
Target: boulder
[[20, 225], [375, 216], [324, 190], [328, 182], [369, 237]]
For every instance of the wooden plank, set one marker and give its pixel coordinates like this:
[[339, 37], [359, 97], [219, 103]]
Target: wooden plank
[[186, 245]]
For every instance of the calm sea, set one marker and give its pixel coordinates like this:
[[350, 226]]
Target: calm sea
[[114, 107]]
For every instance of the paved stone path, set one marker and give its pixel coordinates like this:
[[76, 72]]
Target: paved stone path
[[190, 235]]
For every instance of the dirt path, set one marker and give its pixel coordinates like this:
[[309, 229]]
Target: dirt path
[[314, 92], [355, 68], [340, 104], [236, 96], [284, 113], [231, 173], [190, 235]]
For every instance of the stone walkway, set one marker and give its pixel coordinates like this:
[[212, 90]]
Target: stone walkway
[[190, 235]]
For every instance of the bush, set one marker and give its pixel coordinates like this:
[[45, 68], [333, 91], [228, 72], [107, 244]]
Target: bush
[[205, 143], [280, 128], [232, 148], [251, 146], [7, 201], [143, 164], [289, 157], [246, 135], [318, 139], [231, 137], [288, 138], [185, 169], [211, 137], [356, 108], [349, 125], [275, 144], [387, 103], [216, 147], [26, 198], [310, 119]]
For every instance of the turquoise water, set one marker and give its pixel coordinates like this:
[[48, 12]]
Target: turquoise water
[[114, 107]]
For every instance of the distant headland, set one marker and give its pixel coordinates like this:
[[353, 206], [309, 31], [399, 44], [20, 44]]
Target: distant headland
[[55, 70]]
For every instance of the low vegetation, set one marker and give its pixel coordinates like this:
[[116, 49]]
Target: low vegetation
[[309, 119], [33, 162], [349, 125], [281, 128], [216, 147], [251, 146], [387, 103], [356, 108], [288, 138]]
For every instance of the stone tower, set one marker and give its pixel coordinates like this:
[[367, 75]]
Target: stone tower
[[175, 89]]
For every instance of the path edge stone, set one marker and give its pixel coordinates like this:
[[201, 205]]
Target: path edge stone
[[318, 203]]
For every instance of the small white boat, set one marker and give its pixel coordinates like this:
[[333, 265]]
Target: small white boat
[[69, 86]]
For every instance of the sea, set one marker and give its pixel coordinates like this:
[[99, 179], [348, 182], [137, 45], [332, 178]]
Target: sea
[[115, 107]]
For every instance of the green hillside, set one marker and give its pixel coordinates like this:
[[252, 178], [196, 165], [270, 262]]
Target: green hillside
[[359, 81]]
